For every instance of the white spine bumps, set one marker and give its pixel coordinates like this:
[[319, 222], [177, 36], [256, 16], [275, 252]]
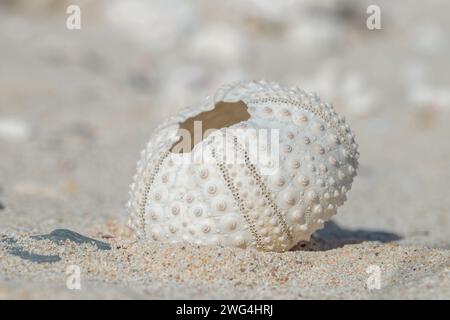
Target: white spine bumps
[[200, 196]]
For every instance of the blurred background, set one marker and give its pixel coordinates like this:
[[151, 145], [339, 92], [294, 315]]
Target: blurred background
[[77, 106]]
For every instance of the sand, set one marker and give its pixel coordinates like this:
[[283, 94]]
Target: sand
[[160, 271], [74, 116]]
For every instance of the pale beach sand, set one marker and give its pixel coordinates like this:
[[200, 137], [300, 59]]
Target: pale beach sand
[[135, 270], [77, 107]]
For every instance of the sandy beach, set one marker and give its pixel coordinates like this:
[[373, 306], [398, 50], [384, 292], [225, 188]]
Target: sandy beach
[[77, 106]]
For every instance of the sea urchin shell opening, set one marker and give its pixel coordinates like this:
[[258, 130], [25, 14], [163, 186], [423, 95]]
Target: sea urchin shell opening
[[224, 114]]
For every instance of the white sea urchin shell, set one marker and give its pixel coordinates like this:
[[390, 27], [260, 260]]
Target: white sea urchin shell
[[243, 203]]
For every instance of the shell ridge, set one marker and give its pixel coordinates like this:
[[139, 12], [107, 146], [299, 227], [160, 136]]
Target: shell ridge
[[237, 198], [263, 188], [148, 183]]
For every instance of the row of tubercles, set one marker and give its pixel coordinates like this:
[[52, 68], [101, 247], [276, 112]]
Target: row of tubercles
[[332, 122], [148, 186], [235, 193], [264, 190]]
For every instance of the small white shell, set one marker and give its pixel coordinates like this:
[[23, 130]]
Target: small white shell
[[243, 204]]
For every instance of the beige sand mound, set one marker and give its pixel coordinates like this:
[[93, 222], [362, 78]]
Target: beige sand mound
[[131, 269]]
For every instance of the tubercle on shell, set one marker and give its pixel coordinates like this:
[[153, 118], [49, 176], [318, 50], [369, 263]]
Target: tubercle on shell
[[214, 204]]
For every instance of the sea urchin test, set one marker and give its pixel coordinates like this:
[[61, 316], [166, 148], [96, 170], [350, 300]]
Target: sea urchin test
[[257, 165]]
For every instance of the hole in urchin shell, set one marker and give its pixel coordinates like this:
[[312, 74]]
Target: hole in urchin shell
[[224, 114]]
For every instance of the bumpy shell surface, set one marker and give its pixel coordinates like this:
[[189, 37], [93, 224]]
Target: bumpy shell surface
[[235, 205]]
